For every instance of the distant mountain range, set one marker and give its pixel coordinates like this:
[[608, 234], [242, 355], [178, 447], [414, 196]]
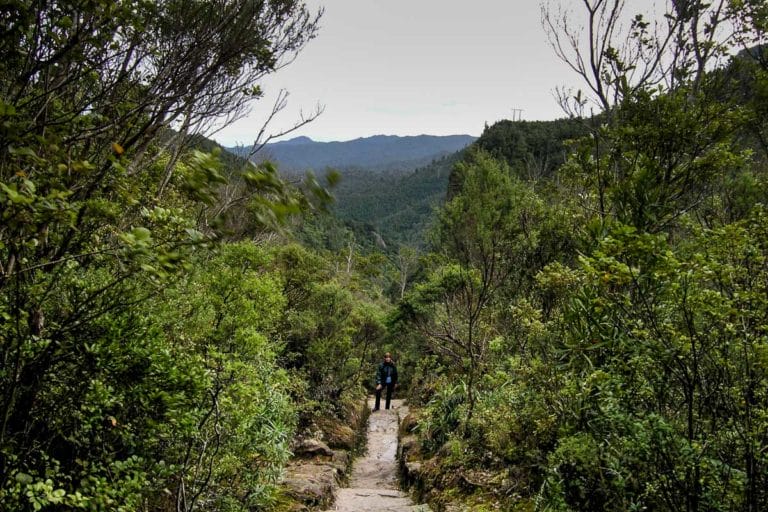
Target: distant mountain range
[[377, 153]]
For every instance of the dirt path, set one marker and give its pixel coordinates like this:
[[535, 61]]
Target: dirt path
[[373, 484]]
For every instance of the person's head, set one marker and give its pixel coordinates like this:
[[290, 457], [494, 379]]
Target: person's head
[[387, 357]]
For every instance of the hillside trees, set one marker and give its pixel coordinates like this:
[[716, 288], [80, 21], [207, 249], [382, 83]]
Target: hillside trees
[[487, 232], [650, 354], [226, 445], [663, 140], [329, 329], [662, 164], [628, 371], [667, 157], [533, 149], [656, 71], [617, 54], [100, 204], [664, 344]]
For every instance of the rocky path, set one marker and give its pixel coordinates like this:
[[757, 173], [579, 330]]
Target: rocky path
[[373, 483]]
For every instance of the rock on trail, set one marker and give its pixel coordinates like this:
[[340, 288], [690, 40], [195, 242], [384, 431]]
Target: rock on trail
[[373, 484]]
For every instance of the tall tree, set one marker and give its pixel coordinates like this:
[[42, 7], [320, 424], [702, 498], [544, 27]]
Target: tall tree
[[98, 197], [486, 233]]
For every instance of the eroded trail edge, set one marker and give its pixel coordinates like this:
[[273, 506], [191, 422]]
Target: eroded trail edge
[[373, 484]]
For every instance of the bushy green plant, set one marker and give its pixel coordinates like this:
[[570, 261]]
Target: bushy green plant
[[443, 414], [227, 314], [330, 332]]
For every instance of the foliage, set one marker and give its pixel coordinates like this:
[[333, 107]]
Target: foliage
[[380, 211], [623, 358], [533, 149], [592, 336], [330, 335], [111, 398], [228, 316], [179, 393], [486, 231]]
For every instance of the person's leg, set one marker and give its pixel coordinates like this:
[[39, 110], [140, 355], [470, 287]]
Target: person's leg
[[390, 387], [378, 400]]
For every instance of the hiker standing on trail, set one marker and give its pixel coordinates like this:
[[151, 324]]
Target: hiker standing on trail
[[386, 375]]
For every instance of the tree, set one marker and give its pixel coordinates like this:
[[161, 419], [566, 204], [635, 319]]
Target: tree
[[227, 447], [98, 196], [662, 343], [618, 55], [328, 332], [406, 263], [646, 338], [486, 232]]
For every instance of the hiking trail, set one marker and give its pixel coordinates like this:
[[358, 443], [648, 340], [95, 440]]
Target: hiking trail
[[373, 483]]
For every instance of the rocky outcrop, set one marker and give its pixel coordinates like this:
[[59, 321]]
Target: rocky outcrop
[[409, 455], [310, 448], [321, 463], [445, 488], [311, 484], [339, 435], [409, 461]]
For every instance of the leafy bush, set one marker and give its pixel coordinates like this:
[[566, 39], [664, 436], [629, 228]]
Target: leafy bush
[[442, 415]]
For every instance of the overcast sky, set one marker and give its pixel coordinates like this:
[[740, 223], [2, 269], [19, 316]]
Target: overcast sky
[[409, 67]]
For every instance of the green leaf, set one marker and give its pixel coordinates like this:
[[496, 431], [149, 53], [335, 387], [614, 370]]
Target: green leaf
[[141, 234], [24, 478], [7, 110]]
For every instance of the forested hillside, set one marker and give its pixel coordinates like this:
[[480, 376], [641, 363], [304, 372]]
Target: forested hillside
[[387, 190], [578, 308], [162, 339], [385, 210], [588, 331], [392, 208]]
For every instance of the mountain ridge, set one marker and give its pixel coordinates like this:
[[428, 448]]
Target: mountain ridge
[[375, 153]]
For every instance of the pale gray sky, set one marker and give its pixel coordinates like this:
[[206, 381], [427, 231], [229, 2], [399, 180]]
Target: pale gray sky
[[409, 67]]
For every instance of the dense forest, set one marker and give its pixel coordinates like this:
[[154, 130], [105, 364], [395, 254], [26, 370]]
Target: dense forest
[[162, 339], [578, 308], [380, 212], [589, 328]]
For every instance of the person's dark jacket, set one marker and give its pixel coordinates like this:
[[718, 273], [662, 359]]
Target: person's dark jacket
[[386, 370]]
